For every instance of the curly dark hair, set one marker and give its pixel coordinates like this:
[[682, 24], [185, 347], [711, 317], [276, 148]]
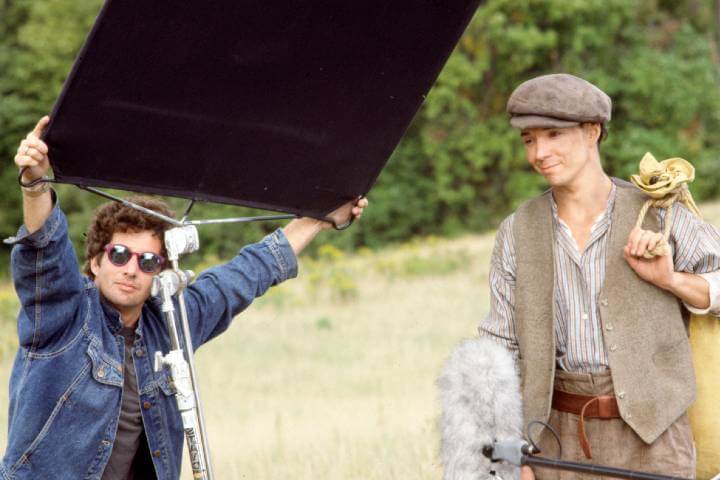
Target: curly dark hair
[[115, 217]]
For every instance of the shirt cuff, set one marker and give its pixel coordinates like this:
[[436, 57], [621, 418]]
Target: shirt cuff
[[41, 237], [713, 279], [283, 254]]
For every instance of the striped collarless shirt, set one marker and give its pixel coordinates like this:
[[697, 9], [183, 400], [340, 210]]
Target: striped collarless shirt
[[579, 277]]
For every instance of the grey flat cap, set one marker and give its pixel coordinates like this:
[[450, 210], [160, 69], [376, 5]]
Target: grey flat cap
[[558, 100]]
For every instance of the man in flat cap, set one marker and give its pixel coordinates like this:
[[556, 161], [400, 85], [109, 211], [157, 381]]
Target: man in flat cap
[[598, 330]]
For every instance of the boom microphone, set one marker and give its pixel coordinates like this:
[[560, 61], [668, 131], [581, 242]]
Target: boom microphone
[[481, 405]]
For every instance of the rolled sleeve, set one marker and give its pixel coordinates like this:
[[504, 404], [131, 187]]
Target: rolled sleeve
[[279, 246], [713, 279]]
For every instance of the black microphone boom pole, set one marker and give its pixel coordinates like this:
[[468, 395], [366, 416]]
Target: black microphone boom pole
[[594, 469], [519, 452]]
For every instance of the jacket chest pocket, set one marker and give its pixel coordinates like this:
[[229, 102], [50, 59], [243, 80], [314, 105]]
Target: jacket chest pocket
[[165, 384], [103, 368]]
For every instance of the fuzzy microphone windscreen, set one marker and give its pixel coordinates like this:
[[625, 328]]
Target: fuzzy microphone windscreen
[[481, 402]]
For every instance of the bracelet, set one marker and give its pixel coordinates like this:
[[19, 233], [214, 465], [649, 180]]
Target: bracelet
[[37, 190]]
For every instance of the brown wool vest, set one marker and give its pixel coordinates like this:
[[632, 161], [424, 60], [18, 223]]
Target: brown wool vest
[[642, 325]]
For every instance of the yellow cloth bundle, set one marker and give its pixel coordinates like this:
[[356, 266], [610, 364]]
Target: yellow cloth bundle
[[705, 412], [666, 182]]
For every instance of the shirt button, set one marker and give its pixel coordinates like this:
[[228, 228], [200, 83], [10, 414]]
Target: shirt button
[[147, 405], [584, 316], [156, 453], [139, 352], [613, 348]]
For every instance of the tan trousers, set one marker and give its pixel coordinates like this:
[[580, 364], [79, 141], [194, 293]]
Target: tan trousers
[[612, 441]]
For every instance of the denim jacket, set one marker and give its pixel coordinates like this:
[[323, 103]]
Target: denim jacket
[[67, 378]]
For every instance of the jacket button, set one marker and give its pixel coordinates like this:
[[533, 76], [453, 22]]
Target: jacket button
[[609, 327], [101, 372], [140, 352], [147, 405], [604, 302], [621, 395], [156, 453], [613, 348]]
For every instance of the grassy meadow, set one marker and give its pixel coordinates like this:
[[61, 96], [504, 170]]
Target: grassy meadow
[[331, 375]]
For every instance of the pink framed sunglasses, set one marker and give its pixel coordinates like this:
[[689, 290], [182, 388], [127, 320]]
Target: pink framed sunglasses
[[120, 255]]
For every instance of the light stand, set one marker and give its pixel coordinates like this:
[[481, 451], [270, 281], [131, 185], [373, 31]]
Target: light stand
[[179, 241]]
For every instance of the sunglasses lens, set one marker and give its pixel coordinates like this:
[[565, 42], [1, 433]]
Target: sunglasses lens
[[119, 255], [149, 262]]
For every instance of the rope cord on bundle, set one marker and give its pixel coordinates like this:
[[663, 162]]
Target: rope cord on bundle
[[665, 182]]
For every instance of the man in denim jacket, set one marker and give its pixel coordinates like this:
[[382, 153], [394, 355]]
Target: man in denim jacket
[[76, 409]]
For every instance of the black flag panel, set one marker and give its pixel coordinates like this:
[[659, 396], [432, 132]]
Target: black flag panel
[[278, 104]]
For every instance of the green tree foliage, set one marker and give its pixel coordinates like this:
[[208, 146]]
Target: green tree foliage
[[460, 166], [657, 62], [38, 43]]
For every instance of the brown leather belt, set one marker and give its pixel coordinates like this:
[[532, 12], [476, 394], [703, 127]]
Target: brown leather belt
[[601, 406]]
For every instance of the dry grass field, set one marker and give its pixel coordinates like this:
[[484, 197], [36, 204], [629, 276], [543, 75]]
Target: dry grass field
[[331, 375]]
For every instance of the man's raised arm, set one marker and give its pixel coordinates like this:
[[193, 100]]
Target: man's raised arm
[[37, 200]]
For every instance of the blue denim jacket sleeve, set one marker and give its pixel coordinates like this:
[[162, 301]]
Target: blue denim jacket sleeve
[[47, 280], [222, 292]]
